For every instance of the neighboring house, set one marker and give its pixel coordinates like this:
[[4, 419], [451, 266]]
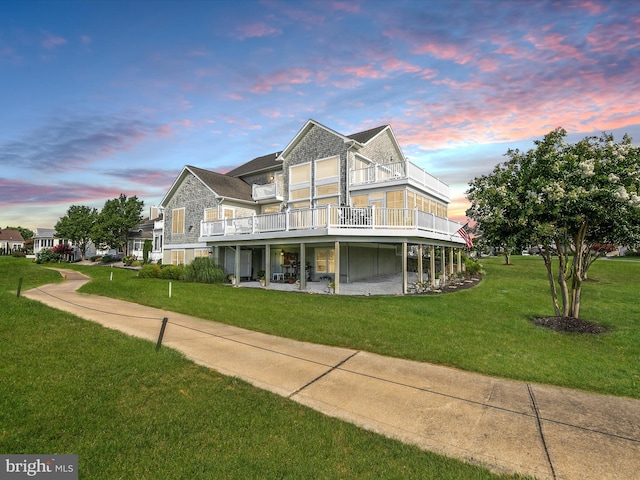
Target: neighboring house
[[328, 206], [46, 238], [149, 229], [10, 241]]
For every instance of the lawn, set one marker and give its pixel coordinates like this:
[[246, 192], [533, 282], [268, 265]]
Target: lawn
[[70, 386], [485, 329]]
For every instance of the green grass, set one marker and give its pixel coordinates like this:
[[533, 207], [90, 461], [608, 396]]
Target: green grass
[[70, 386], [485, 329]]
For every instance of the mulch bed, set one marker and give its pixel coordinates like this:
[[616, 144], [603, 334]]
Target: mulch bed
[[568, 324]]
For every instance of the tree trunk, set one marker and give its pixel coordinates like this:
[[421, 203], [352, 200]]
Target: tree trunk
[[546, 256], [562, 278], [578, 270]]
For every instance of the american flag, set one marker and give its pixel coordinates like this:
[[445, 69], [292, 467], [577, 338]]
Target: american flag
[[464, 234]]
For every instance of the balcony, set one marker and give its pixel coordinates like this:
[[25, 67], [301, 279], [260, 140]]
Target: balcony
[[269, 191], [376, 174], [334, 220]]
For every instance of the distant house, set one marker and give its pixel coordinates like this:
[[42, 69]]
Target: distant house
[[149, 229], [46, 238], [327, 206], [10, 241]]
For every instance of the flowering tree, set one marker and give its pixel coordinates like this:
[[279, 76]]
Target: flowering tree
[[566, 199]]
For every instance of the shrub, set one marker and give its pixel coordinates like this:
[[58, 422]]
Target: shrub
[[172, 272], [472, 267], [107, 258], [18, 254], [95, 258], [204, 270], [47, 255], [149, 271]]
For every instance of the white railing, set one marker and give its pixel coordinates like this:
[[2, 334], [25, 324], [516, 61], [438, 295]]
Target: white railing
[[398, 171], [262, 192], [333, 217]]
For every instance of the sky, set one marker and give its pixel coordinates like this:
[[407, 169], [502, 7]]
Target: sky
[[104, 97]]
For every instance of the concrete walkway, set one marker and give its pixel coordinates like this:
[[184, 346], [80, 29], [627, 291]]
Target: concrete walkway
[[507, 426]]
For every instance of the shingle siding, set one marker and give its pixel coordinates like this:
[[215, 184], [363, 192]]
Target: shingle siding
[[318, 143], [194, 197]]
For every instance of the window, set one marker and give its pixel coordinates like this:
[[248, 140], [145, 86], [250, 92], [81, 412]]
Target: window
[[326, 179], [325, 260], [213, 214], [201, 252], [177, 257], [395, 199], [177, 223], [138, 244], [300, 184]]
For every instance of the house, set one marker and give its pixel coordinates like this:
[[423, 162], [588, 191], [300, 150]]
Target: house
[[46, 238], [330, 207], [149, 229], [10, 241]]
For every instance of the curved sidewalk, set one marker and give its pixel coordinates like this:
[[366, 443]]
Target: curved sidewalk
[[507, 426]]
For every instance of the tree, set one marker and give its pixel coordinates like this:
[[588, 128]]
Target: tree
[[566, 199], [117, 217], [25, 232], [77, 226]]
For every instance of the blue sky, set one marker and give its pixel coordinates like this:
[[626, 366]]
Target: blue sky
[[105, 97]]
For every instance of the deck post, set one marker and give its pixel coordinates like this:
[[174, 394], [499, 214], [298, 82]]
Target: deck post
[[459, 260], [443, 257], [432, 265], [267, 265], [303, 267], [420, 251], [404, 268], [236, 280], [451, 261], [336, 257]]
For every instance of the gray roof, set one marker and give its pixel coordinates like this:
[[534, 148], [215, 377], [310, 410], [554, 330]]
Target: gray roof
[[223, 185], [364, 137], [264, 163]]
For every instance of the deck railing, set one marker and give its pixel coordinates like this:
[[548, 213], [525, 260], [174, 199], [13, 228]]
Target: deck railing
[[334, 217], [378, 173]]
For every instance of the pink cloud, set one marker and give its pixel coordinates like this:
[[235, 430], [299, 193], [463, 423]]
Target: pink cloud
[[282, 79], [86, 39], [350, 7], [52, 41], [257, 30]]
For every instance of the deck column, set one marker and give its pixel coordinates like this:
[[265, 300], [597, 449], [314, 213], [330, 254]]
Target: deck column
[[267, 265], [459, 260], [443, 258], [420, 250], [404, 267], [303, 267], [336, 280], [432, 265], [236, 282], [451, 261]]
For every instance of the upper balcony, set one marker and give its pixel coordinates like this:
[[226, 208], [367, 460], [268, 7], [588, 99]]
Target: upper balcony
[[269, 191], [334, 220], [380, 173]]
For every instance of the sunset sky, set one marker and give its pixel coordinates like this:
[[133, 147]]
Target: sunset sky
[[99, 98]]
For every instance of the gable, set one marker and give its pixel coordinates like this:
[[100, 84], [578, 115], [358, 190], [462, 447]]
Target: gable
[[215, 184]]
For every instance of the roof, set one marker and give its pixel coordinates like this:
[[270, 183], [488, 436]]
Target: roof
[[360, 138], [44, 233], [223, 185], [11, 236], [364, 137], [259, 164]]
